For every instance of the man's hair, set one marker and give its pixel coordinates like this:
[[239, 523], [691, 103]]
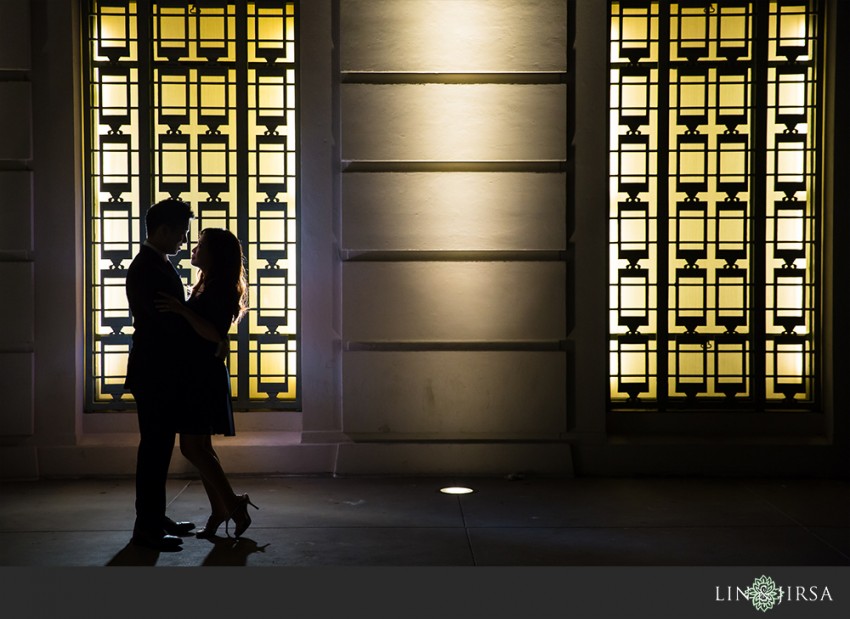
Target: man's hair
[[169, 212]]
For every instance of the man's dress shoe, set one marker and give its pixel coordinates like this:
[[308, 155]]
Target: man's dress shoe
[[157, 540], [177, 528]]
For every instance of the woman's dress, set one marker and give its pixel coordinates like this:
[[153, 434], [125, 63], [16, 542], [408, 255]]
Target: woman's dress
[[208, 409]]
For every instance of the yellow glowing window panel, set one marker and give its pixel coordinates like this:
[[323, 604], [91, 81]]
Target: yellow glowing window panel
[[714, 204], [194, 101]]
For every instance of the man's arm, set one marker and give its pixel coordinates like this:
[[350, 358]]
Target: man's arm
[[144, 283], [202, 326]]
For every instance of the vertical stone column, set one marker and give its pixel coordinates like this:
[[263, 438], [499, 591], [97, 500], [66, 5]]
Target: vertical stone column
[[16, 242]]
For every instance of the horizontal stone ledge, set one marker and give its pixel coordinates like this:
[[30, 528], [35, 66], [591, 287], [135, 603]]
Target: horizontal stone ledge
[[251, 438], [243, 458], [434, 77], [482, 459], [15, 165], [542, 165], [15, 255], [15, 75], [459, 346], [390, 438], [17, 347], [532, 255], [125, 407]]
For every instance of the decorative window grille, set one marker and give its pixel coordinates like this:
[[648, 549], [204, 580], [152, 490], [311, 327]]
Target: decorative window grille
[[714, 204], [194, 100]]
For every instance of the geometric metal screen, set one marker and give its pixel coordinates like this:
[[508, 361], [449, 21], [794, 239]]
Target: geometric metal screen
[[714, 204], [196, 101]]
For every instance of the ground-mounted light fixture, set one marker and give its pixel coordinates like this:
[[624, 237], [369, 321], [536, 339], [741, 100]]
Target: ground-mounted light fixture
[[458, 490]]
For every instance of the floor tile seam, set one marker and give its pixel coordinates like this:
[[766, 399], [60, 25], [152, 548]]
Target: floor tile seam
[[253, 528], [827, 542], [179, 493], [469, 545], [796, 521], [166, 565], [780, 510], [642, 526], [269, 527]]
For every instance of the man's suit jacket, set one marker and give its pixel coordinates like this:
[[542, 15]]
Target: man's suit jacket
[[158, 356]]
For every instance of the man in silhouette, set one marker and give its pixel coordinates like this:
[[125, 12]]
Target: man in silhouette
[[155, 369]]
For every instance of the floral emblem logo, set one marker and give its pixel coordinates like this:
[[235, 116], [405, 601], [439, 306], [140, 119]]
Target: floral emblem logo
[[764, 594]]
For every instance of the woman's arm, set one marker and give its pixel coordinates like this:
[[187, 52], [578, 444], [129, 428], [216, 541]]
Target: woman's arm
[[202, 326]]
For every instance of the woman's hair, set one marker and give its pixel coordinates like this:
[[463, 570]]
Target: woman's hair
[[226, 269]]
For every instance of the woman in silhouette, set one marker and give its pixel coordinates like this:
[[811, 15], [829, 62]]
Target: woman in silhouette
[[218, 299]]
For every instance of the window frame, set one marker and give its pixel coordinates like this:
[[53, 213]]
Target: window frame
[[756, 401], [147, 190]]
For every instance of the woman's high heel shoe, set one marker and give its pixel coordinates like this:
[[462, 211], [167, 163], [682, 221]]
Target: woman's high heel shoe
[[212, 525], [240, 516]]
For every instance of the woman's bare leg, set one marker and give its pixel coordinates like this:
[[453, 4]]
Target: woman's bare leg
[[218, 506], [198, 449]]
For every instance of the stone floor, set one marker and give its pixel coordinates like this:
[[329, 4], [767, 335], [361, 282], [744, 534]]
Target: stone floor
[[325, 521]]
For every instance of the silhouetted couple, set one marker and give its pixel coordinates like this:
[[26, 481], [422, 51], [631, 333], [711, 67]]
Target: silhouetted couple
[[176, 370]]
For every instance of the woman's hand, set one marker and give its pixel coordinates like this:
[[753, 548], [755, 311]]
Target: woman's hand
[[167, 303], [202, 326], [223, 349]]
